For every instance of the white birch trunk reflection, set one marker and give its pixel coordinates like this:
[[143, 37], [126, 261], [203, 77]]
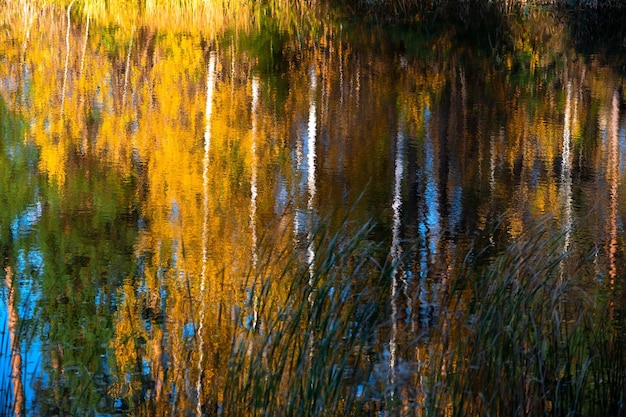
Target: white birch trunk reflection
[[429, 227], [566, 171], [253, 188], [396, 252], [211, 78], [311, 171], [82, 57], [613, 180], [67, 56], [127, 69], [254, 169]]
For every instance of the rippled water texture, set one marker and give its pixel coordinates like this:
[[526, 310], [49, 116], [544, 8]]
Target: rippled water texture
[[144, 174]]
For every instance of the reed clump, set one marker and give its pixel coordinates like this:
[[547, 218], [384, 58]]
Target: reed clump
[[308, 327], [524, 331], [525, 336]]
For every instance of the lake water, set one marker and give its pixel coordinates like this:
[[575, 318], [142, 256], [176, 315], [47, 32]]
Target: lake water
[[144, 173]]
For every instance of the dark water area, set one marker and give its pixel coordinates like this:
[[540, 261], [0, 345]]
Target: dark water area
[[146, 177]]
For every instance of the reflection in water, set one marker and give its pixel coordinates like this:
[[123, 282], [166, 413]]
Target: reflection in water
[[396, 252], [566, 171], [306, 171], [613, 163], [210, 85], [429, 227], [168, 159], [85, 43], [15, 345], [311, 170], [67, 56], [127, 68], [254, 175]]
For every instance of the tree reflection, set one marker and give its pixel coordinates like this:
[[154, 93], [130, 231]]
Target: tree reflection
[[161, 166]]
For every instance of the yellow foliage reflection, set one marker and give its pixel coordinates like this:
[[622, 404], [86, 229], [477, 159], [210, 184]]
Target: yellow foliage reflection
[[227, 153]]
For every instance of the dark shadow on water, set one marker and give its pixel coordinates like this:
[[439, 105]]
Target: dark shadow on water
[[600, 31]]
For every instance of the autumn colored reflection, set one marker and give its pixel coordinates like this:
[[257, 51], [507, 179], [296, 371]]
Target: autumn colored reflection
[[157, 177]]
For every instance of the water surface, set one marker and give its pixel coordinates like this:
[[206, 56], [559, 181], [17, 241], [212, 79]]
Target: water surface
[[144, 173]]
